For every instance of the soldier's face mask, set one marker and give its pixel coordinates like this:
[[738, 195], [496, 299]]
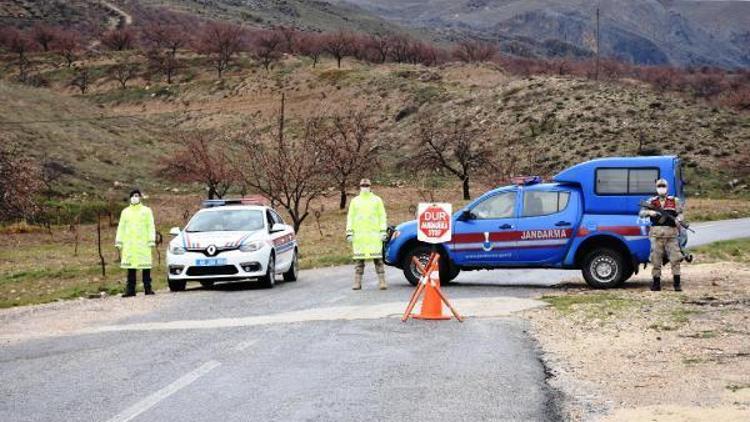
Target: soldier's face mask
[[661, 190], [135, 199], [364, 189]]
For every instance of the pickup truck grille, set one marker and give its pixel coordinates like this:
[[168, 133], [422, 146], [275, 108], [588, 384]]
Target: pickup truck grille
[[212, 270]]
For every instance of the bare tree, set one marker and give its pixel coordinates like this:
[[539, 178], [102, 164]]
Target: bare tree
[[266, 47], [82, 79], [456, 149], [338, 45], [290, 37], [202, 159], [119, 39], [348, 144], [21, 45], [44, 35], [381, 45], [166, 37], [123, 71], [473, 51], [20, 182], [311, 45], [288, 171], [163, 62], [220, 42], [68, 45], [400, 48]]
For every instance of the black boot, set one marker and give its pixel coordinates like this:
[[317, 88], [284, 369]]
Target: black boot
[[147, 282], [677, 286], [129, 289], [656, 285], [130, 285]]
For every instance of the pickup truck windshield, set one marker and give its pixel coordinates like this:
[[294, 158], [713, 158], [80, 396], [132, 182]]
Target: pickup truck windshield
[[226, 221]]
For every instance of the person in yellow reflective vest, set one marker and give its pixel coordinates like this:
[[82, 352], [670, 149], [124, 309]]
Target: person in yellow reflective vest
[[136, 236], [366, 231]]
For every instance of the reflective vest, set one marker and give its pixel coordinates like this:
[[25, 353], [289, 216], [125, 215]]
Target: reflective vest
[[670, 206], [136, 235], [366, 223]]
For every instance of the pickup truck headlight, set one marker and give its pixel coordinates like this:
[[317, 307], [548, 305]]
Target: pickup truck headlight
[[177, 250], [252, 246]]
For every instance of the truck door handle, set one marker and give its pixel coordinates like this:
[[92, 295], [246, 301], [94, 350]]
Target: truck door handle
[[562, 223], [505, 226]]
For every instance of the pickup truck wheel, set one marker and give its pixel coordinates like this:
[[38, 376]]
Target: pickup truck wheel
[[176, 285], [604, 268], [269, 279], [447, 271]]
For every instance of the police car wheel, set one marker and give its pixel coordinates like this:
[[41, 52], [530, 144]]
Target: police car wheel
[[269, 279], [603, 268], [176, 285], [447, 271], [207, 284], [291, 274]]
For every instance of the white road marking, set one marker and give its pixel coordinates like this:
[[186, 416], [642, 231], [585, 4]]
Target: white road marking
[[244, 345], [152, 400], [471, 307], [335, 299]]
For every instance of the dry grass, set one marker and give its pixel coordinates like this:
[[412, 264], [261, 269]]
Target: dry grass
[[635, 348]]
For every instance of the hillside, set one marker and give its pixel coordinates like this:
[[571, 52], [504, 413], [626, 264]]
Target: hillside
[[97, 15], [679, 32], [542, 123], [92, 152]]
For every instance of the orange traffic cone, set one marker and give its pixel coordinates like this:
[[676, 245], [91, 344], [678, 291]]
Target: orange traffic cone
[[432, 304]]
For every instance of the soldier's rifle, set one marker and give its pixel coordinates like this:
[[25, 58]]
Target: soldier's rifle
[[684, 224]]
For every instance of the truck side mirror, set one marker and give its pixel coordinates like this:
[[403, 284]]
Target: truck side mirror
[[174, 231], [466, 215]]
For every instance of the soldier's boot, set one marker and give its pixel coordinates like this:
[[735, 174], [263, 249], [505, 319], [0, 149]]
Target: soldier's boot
[[357, 282], [147, 289], [381, 282], [129, 289], [656, 285], [677, 285]]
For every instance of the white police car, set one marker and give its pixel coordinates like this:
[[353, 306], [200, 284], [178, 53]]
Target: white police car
[[230, 240]]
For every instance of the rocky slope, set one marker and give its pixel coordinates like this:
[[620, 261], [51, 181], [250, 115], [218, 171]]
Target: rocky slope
[[676, 32]]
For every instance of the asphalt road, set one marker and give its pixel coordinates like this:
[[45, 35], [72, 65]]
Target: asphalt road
[[307, 351]]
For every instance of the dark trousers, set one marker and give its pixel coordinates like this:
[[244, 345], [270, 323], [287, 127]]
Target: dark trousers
[[132, 279]]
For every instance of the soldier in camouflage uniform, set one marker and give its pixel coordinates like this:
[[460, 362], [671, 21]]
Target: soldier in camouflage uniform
[[663, 234]]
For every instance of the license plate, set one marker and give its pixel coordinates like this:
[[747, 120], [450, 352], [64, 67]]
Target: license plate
[[210, 262]]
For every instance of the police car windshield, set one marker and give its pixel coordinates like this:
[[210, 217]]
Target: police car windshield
[[226, 221]]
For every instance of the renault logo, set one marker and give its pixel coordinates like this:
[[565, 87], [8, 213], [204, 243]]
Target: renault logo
[[211, 250]]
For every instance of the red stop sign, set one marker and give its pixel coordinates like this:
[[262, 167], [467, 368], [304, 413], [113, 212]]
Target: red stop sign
[[434, 222]]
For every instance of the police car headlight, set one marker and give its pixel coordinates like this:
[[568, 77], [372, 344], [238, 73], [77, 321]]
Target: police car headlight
[[252, 246], [177, 250]]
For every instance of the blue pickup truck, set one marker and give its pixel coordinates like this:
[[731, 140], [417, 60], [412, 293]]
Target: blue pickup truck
[[586, 218]]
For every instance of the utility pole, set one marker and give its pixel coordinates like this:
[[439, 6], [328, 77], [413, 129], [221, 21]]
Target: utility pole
[[597, 43]]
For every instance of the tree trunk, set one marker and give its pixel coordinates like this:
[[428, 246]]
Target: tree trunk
[[338, 61], [342, 201], [211, 192], [467, 195]]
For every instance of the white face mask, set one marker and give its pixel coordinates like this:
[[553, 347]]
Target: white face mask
[[364, 189], [135, 199], [661, 191]]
